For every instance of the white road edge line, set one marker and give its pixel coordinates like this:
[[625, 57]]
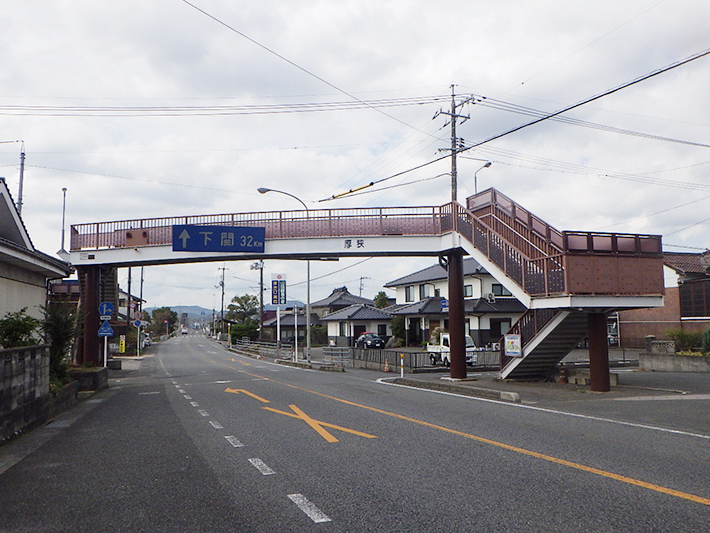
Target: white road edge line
[[216, 425], [262, 467], [552, 411], [307, 507], [233, 441]]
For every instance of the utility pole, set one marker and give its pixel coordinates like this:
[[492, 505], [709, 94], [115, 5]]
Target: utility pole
[[22, 178], [221, 283], [362, 278], [259, 265], [456, 143]]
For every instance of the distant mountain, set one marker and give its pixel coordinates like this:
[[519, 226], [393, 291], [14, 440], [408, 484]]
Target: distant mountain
[[194, 312]]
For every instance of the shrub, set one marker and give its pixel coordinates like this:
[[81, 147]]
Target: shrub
[[705, 341], [684, 341], [18, 329]]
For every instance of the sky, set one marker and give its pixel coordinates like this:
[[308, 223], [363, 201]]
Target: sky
[[165, 108]]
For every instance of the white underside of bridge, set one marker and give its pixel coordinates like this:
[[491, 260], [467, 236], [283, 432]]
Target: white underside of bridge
[[315, 248]]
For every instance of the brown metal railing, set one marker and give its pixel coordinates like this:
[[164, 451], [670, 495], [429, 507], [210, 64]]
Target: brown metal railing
[[278, 225]]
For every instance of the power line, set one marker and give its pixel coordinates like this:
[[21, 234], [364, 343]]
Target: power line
[[596, 97]]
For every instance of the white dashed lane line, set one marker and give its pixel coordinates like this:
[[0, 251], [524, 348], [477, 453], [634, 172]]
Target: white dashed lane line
[[262, 467], [234, 441], [216, 424], [307, 507], [203, 412], [194, 404]]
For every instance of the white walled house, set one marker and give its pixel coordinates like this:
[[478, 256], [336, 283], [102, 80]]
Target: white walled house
[[489, 307], [24, 271], [346, 325]]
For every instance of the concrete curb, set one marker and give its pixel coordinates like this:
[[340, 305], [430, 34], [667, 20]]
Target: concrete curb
[[464, 390]]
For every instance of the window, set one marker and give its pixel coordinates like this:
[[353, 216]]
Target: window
[[409, 293], [343, 329], [423, 292], [499, 327], [468, 291], [499, 290], [382, 330]]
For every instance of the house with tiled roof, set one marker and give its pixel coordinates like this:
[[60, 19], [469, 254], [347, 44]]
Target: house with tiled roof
[[24, 271], [347, 324], [340, 298], [686, 301], [490, 308]]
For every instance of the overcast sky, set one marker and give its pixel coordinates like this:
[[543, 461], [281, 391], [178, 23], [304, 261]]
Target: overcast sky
[[123, 104]]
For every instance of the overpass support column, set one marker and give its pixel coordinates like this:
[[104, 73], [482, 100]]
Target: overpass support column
[[90, 308], [457, 315], [598, 353]]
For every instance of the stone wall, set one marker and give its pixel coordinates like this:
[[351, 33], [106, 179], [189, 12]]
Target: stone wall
[[24, 388], [660, 356]]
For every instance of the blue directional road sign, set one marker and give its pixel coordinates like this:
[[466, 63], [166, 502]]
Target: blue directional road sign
[[444, 304], [188, 238], [105, 330], [105, 308]]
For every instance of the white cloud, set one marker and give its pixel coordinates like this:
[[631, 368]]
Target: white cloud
[[545, 55]]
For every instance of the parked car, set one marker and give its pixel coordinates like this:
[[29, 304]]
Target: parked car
[[147, 341], [369, 339]]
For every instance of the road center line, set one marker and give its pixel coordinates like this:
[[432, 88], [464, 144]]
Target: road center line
[[307, 507], [523, 451]]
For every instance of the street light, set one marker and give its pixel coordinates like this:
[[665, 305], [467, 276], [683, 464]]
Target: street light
[[264, 190], [475, 179]]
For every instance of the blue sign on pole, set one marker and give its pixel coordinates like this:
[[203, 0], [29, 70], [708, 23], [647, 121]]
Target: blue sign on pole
[[189, 238], [444, 304], [105, 330], [105, 308]]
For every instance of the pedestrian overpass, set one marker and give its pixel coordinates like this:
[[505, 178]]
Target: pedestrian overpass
[[569, 280]]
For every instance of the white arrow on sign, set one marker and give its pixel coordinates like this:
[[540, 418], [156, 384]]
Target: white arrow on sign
[[184, 236]]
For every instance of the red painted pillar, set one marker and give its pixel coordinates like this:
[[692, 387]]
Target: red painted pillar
[[90, 308], [598, 353], [457, 315]]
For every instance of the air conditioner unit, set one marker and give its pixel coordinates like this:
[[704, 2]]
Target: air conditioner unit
[[490, 298]]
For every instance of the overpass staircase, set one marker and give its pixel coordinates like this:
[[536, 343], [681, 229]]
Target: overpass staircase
[[562, 277]]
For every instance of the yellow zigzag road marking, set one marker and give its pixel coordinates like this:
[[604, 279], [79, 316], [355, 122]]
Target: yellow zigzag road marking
[[317, 425]]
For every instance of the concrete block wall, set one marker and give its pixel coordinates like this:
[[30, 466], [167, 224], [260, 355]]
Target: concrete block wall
[[24, 388]]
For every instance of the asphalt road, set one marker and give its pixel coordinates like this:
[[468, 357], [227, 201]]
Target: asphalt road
[[201, 439]]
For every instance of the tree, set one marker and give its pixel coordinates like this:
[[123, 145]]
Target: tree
[[18, 329], [398, 326], [243, 309], [381, 301], [158, 318], [60, 328]]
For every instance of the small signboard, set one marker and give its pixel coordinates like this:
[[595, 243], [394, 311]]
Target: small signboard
[[513, 346], [278, 289], [189, 238], [444, 304], [105, 330]]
